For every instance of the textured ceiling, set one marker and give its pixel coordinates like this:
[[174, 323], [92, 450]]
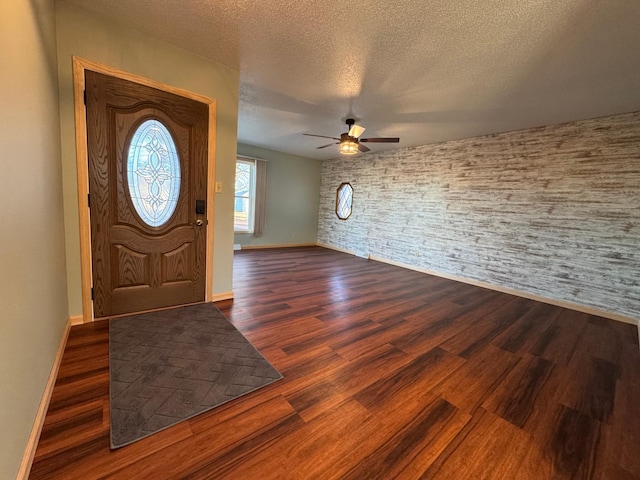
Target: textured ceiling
[[423, 70]]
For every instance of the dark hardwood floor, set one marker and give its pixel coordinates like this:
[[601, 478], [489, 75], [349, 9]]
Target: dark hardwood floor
[[388, 373]]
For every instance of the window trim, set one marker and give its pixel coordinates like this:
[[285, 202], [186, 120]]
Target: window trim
[[251, 196]]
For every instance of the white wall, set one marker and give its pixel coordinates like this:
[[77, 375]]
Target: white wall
[[83, 34], [552, 211], [293, 193], [32, 269]]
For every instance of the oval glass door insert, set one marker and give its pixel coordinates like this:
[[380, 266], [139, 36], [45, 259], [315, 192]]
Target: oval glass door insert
[[153, 173]]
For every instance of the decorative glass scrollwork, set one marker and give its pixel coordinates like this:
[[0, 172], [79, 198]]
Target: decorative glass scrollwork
[[153, 173]]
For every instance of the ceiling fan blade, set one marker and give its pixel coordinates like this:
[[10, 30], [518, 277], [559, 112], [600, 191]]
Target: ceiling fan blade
[[363, 148], [327, 145], [381, 140], [356, 130], [321, 136]]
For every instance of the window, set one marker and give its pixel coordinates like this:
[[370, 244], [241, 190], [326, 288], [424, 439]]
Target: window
[[153, 173], [344, 196], [244, 205]]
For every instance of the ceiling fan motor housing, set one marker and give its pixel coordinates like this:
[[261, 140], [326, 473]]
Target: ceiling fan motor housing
[[345, 137]]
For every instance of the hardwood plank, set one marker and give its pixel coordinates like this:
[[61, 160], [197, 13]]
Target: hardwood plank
[[592, 388], [525, 332], [422, 374], [436, 329], [485, 329], [327, 333], [345, 381], [223, 465], [222, 436], [325, 441], [487, 447], [86, 421], [564, 448], [388, 373], [600, 339], [516, 399], [405, 448], [468, 386], [559, 341]]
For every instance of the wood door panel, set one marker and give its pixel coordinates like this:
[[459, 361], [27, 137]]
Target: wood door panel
[[170, 241], [135, 265], [178, 265], [129, 268], [127, 94]]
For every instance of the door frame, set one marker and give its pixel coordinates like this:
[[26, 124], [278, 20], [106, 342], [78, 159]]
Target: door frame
[[82, 169]]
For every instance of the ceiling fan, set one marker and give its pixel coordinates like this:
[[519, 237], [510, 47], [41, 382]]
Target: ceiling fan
[[350, 142]]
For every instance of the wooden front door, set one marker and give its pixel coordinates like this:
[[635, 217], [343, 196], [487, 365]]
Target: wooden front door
[[147, 152]]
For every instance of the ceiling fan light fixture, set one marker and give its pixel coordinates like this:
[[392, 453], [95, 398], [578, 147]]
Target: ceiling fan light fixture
[[350, 142], [348, 147]]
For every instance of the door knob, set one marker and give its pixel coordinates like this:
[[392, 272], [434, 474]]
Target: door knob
[[199, 223]]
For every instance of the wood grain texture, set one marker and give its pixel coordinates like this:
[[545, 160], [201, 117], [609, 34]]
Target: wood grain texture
[[551, 211], [80, 66], [133, 263], [388, 373]]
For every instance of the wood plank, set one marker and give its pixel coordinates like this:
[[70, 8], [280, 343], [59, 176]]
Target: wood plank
[[559, 341], [487, 447], [423, 373], [516, 398], [468, 386], [565, 447], [485, 329], [619, 457], [221, 436], [327, 392], [592, 388], [404, 447], [388, 373]]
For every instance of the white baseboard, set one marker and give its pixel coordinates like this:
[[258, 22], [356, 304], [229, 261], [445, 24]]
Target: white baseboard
[[218, 297], [337, 249], [277, 245], [511, 291], [498, 288], [34, 437]]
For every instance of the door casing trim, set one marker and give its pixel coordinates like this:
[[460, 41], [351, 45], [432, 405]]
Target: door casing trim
[[82, 168]]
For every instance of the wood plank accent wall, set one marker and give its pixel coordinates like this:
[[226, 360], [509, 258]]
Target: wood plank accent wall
[[551, 211]]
